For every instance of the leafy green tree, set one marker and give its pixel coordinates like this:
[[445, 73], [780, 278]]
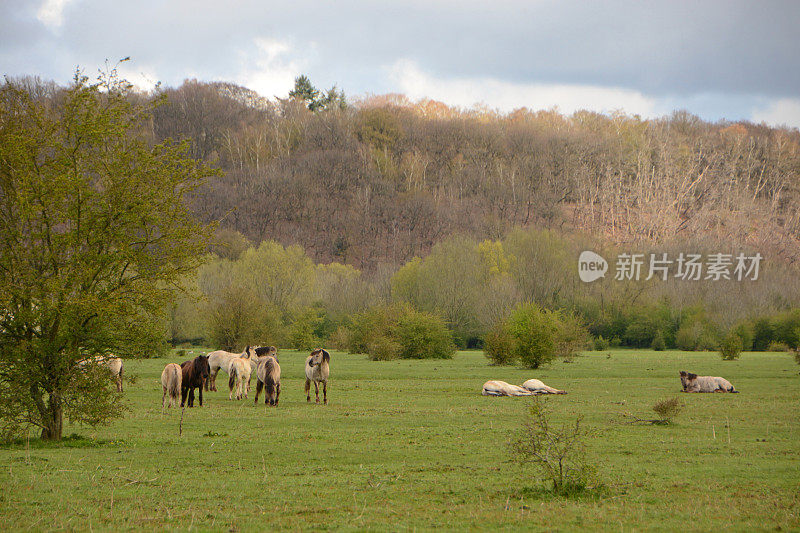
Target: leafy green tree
[[94, 235]]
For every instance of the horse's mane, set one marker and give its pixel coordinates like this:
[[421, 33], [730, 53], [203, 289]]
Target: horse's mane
[[326, 356]]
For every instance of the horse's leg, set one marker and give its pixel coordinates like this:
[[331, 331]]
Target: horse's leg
[[277, 393], [164, 398], [316, 389], [325, 392], [308, 390], [259, 386], [183, 396], [200, 392]]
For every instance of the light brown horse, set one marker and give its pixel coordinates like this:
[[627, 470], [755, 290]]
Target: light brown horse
[[501, 388], [268, 377], [537, 387], [221, 360], [694, 383], [318, 370], [171, 384], [239, 377], [111, 362]]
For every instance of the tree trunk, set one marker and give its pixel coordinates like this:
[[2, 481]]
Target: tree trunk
[[54, 419]]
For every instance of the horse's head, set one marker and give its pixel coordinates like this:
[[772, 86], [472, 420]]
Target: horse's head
[[684, 379], [202, 367], [319, 356]]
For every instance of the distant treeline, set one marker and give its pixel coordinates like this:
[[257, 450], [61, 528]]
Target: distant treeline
[[272, 294]]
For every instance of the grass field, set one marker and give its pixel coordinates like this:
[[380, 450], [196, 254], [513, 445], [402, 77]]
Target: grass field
[[413, 445]]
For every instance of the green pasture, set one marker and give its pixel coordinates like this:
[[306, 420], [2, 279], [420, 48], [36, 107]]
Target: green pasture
[[412, 445]]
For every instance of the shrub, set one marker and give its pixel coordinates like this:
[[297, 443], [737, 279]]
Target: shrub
[[777, 346], [386, 332], [383, 348], [559, 454], [658, 342], [763, 334], [534, 332], [423, 336], [601, 344], [731, 347], [667, 409], [571, 335], [499, 346]]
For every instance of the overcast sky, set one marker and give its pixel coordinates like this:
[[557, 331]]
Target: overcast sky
[[718, 59]]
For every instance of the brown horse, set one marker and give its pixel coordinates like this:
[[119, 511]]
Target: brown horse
[[268, 377], [318, 370], [194, 374]]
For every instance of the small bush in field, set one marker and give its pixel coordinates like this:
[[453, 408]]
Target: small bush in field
[[571, 335], [499, 346], [777, 346], [423, 336], [667, 409], [731, 347], [601, 344], [557, 453]]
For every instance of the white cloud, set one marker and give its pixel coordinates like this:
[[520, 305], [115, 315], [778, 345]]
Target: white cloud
[[51, 13], [783, 112], [272, 72], [507, 96]]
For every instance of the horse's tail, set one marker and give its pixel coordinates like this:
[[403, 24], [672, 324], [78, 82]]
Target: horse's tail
[[733, 390], [175, 384], [232, 377]]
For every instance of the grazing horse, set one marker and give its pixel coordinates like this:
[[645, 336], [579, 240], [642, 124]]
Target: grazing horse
[[171, 383], [112, 363], [537, 387], [318, 370], [694, 383], [221, 360], [501, 388], [268, 377], [194, 374], [239, 376]]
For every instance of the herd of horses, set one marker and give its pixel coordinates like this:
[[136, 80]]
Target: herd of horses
[[533, 387], [201, 373]]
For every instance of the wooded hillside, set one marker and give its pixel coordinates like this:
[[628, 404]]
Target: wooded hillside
[[383, 179]]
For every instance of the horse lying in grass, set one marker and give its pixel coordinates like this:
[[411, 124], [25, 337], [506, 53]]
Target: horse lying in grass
[[221, 360], [239, 377], [171, 384], [318, 370], [112, 363], [268, 377], [501, 388], [537, 387], [694, 383], [194, 374]]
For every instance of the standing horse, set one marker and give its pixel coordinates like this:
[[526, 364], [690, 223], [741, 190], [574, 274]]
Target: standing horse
[[111, 362], [171, 384], [239, 376], [221, 360], [194, 374], [318, 370], [268, 377]]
